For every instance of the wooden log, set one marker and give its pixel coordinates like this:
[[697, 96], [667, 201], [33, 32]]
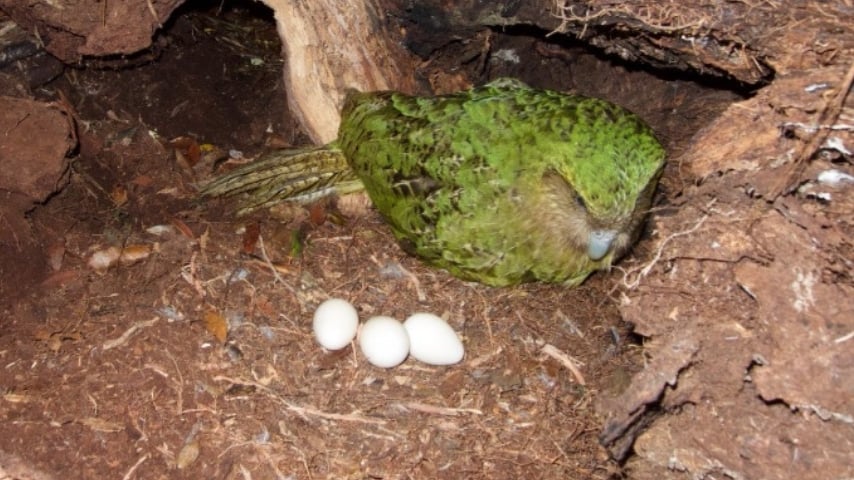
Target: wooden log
[[331, 46]]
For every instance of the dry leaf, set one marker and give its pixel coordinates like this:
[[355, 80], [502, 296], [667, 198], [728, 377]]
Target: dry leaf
[[17, 398], [187, 152], [183, 158], [182, 162], [100, 425], [119, 195], [55, 255], [183, 228], [102, 260], [160, 230], [217, 325], [61, 278], [143, 181], [194, 154], [250, 237], [317, 213], [135, 253], [54, 340], [42, 334], [187, 455]]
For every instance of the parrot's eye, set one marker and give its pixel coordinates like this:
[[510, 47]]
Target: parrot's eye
[[580, 201]]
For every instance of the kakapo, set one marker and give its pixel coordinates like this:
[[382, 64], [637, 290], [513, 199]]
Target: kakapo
[[501, 184]]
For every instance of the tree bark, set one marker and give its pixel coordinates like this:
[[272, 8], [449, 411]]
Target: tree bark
[[330, 47]]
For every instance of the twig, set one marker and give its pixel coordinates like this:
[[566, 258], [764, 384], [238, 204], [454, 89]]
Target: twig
[[310, 411], [188, 273], [128, 333], [154, 13], [667, 21], [453, 412], [271, 462], [570, 363], [347, 417], [828, 116], [180, 383], [278, 278], [135, 466], [413, 279], [269, 262], [415, 283], [844, 338], [644, 270]]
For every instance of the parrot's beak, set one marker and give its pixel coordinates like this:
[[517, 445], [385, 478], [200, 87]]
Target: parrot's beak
[[599, 243]]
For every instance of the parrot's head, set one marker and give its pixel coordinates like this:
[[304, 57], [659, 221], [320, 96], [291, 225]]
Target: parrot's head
[[607, 190], [607, 233], [601, 232]]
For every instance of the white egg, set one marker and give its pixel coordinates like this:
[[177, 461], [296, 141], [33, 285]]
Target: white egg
[[432, 340], [384, 342], [335, 323]]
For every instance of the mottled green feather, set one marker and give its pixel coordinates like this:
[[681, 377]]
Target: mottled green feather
[[499, 184]]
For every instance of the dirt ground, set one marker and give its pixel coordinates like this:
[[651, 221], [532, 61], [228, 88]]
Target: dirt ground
[[189, 353]]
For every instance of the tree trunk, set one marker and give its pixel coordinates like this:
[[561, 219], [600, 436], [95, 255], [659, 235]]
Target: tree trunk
[[331, 46]]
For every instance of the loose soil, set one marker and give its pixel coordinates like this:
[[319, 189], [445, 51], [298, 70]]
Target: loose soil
[[195, 357]]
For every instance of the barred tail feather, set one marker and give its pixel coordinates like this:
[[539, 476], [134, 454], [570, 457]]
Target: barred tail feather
[[300, 176]]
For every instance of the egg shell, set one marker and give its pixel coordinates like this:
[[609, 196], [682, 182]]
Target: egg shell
[[432, 340], [384, 342], [335, 323]]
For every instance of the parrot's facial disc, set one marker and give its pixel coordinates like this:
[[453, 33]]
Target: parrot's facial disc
[[599, 243]]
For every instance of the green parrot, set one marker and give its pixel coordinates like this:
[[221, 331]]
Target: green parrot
[[500, 184]]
